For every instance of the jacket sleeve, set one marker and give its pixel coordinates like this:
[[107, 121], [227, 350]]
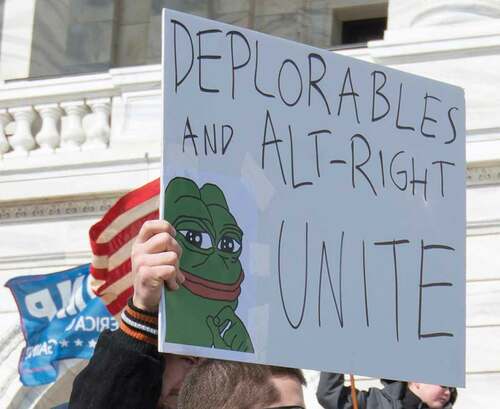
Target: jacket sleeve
[[332, 394], [123, 373]]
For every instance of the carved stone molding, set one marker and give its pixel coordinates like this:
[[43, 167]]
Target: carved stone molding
[[57, 209], [483, 175], [483, 227]]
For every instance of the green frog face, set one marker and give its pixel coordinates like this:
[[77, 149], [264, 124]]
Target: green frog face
[[210, 238], [202, 311]]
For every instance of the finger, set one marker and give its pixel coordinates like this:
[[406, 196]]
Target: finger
[[234, 335], [232, 338], [161, 242], [226, 314], [242, 347], [152, 227], [180, 277], [245, 346], [217, 340], [237, 334], [172, 284], [167, 258], [155, 276], [221, 325]]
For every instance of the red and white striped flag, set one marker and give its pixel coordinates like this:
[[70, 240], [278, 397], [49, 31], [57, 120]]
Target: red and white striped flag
[[111, 241]]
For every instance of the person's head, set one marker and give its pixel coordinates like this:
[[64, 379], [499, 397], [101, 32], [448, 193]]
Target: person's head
[[289, 383], [434, 396], [236, 385], [176, 369]]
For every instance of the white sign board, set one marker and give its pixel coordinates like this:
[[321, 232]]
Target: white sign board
[[320, 204]]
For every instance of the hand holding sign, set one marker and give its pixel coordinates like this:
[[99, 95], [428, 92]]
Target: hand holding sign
[[235, 336], [155, 261]]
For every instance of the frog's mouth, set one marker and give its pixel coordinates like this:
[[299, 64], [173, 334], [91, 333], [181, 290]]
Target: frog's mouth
[[213, 290]]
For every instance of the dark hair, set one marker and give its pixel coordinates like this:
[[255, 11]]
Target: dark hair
[[232, 385], [453, 394]]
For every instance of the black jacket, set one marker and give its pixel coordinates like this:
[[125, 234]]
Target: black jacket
[[123, 373], [332, 394]]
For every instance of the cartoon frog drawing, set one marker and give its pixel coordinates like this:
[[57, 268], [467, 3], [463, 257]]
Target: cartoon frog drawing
[[203, 311]]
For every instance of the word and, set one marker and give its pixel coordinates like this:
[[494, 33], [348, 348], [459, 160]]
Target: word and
[[375, 170]]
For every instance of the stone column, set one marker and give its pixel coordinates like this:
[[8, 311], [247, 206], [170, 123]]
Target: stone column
[[48, 138], [22, 141], [72, 134], [5, 118], [98, 131], [404, 14], [17, 35]]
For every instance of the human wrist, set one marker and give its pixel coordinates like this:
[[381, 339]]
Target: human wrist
[[144, 305], [139, 323]]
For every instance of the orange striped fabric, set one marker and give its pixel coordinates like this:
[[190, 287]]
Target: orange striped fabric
[[138, 335]]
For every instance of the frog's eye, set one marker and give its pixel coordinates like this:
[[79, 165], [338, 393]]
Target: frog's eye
[[198, 239], [228, 245]]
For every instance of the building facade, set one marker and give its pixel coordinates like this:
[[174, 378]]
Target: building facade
[[80, 124]]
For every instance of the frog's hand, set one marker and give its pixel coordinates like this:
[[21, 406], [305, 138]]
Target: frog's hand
[[217, 340], [236, 336]]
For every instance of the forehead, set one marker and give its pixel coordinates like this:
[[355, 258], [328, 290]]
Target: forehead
[[191, 206], [290, 390], [194, 207], [429, 387], [221, 217]]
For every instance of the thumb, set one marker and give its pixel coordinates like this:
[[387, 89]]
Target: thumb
[[217, 340]]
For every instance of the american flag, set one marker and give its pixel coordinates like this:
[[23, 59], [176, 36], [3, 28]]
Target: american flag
[[111, 241]]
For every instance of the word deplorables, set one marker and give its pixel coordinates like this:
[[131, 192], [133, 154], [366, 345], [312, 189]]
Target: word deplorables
[[306, 81]]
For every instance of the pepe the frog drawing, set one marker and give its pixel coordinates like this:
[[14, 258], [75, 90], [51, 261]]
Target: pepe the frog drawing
[[203, 311]]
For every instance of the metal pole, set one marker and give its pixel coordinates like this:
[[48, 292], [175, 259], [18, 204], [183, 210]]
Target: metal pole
[[354, 396]]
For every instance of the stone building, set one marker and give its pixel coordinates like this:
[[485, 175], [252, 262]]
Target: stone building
[[80, 125]]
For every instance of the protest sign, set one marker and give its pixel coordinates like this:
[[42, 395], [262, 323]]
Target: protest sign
[[320, 204], [61, 318]]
